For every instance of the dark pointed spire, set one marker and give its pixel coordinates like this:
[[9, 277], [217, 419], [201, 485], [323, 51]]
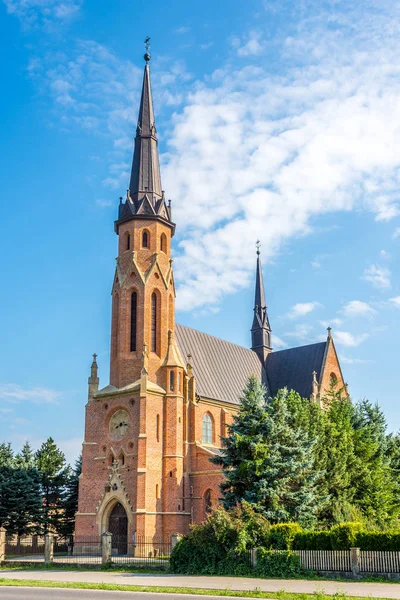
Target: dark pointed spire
[[145, 197], [145, 174], [261, 330]]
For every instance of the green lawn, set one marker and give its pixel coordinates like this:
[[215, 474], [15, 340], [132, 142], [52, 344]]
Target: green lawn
[[256, 593]]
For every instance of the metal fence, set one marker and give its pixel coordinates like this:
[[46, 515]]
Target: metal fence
[[84, 550], [26, 548], [140, 551], [325, 560], [379, 562]]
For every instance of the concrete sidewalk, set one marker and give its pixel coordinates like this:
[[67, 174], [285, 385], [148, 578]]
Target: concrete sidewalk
[[377, 590]]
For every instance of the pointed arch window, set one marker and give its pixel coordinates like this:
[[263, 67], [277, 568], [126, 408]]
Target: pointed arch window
[[133, 321], [207, 429], [208, 502], [333, 379], [171, 380], [128, 241], [154, 322], [145, 239], [163, 243]]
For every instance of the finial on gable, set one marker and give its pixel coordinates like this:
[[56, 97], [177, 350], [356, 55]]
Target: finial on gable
[[329, 333]]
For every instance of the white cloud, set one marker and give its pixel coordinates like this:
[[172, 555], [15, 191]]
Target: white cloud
[[378, 276], [251, 47], [43, 12], [396, 233], [354, 361], [345, 338], [13, 393], [301, 332], [301, 309], [182, 30], [336, 322], [357, 308], [395, 301], [252, 146], [278, 343]]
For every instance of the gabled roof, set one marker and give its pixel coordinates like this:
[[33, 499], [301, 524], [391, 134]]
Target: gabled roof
[[221, 368], [293, 368]]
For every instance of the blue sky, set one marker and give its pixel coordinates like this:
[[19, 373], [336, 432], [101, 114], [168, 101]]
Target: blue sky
[[277, 120]]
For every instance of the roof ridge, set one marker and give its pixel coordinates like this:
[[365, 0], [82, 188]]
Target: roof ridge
[[298, 347]]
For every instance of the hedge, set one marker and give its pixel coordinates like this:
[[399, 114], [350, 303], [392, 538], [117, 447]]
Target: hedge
[[282, 535], [346, 536], [277, 563]]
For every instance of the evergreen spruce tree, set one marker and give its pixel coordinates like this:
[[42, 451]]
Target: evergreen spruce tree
[[337, 458], [289, 489], [6, 455], [23, 502], [71, 499], [269, 462], [20, 497], [53, 475], [374, 488], [245, 449], [26, 458]]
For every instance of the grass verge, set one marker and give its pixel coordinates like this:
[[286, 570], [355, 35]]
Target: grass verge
[[256, 593]]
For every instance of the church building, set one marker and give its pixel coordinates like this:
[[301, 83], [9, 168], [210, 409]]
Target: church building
[[149, 434]]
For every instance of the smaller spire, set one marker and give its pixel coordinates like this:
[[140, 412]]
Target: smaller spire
[[93, 380], [261, 330]]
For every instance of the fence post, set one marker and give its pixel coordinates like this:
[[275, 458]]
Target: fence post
[[175, 537], [355, 561], [48, 548], [2, 544], [254, 557], [106, 547]]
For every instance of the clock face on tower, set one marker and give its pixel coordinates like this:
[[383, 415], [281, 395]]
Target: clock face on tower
[[119, 424]]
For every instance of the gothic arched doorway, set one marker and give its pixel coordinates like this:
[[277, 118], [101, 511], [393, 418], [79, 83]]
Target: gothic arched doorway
[[118, 526]]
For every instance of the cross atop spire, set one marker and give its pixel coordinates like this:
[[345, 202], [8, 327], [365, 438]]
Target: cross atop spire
[[145, 197], [261, 330]]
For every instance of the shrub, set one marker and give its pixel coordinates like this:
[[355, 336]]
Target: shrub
[[343, 535], [219, 545], [378, 540], [281, 535], [313, 540], [275, 563]]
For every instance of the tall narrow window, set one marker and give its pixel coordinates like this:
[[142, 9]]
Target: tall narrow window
[[128, 241], [179, 382], [133, 321], [154, 322], [145, 239], [171, 381], [163, 243], [207, 429], [158, 428], [208, 502]]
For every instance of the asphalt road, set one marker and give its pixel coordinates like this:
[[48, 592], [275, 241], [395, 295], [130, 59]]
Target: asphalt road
[[21, 593]]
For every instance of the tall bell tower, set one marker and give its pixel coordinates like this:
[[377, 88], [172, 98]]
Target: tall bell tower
[[143, 290], [133, 453]]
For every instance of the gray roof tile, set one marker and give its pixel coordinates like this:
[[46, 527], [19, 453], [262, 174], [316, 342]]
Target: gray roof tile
[[293, 368], [221, 368]]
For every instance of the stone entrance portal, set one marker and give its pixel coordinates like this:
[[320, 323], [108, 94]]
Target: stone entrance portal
[[118, 526]]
